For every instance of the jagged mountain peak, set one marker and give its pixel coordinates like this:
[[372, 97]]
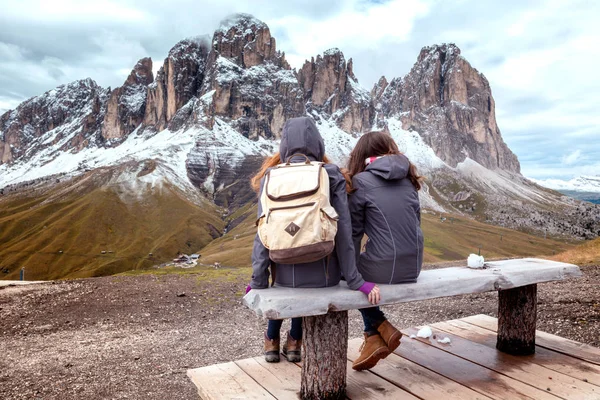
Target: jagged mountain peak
[[437, 50], [189, 45], [241, 22], [246, 41], [141, 73]]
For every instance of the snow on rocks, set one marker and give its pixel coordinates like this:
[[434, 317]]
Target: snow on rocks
[[445, 340], [413, 145]]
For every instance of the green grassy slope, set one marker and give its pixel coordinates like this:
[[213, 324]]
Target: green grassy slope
[[82, 223]]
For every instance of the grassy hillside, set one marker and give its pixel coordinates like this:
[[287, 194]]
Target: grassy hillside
[[63, 232], [586, 254], [101, 224], [444, 241]]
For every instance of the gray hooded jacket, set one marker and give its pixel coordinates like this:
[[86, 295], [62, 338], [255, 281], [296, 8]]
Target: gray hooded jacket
[[385, 206], [300, 135]]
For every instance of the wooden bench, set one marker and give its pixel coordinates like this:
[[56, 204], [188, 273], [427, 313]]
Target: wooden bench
[[325, 316]]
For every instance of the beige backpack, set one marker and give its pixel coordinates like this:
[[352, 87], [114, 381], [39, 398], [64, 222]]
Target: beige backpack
[[298, 223]]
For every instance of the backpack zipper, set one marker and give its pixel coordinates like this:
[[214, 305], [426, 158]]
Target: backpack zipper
[[288, 208]]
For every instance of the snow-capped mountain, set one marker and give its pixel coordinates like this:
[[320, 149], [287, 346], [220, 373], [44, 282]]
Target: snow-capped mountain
[[198, 130], [585, 188], [589, 184]]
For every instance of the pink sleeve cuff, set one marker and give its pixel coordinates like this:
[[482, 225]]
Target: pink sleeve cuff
[[367, 287]]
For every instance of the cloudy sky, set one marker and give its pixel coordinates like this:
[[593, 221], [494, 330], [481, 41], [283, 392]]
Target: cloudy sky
[[541, 57]]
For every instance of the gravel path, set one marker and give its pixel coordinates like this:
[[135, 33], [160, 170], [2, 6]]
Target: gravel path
[[135, 337]]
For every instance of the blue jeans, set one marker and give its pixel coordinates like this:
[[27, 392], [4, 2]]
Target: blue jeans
[[372, 317], [274, 327]]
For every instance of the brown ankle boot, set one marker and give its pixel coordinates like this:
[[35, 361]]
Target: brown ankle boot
[[372, 350], [292, 349], [391, 336], [271, 349]]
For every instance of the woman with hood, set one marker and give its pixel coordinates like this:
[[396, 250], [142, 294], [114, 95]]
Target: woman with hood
[[301, 136], [384, 205]]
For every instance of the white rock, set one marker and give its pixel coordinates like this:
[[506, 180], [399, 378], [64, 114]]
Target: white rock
[[413, 336], [475, 261], [445, 340], [425, 332]]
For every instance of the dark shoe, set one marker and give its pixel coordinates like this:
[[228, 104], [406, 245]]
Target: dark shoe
[[292, 349], [372, 350], [391, 336], [271, 350]]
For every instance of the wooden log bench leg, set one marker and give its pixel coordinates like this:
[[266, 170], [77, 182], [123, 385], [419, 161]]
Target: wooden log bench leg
[[517, 314], [325, 348]]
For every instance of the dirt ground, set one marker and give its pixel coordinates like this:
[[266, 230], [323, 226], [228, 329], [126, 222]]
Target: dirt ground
[[127, 337]]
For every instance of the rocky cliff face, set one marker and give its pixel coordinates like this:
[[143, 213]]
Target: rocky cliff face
[[450, 104], [177, 81], [127, 104], [66, 118], [250, 82], [330, 87]]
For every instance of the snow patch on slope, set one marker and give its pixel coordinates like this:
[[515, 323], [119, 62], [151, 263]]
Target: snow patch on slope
[[412, 144], [501, 182], [171, 149]]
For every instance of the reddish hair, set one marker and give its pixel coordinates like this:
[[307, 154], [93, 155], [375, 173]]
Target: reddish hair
[[275, 159], [376, 144]]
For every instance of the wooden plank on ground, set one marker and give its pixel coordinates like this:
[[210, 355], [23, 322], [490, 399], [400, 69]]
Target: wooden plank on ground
[[544, 339], [517, 367], [467, 373], [416, 379], [226, 381], [281, 379], [364, 385], [280, 302], [550, 359]]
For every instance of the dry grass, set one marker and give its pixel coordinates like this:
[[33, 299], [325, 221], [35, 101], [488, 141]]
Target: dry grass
[[587, 253]]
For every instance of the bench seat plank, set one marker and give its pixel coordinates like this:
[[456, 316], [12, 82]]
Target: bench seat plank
[[279, 302]]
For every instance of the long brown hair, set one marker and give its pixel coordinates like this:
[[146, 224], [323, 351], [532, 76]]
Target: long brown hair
[[376, 144], [275, 159]]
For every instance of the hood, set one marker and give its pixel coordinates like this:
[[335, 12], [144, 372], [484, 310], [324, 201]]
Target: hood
[[390, 167], [300, 135]]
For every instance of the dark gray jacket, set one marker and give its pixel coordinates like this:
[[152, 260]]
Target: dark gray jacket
[[385, 206], [300, 135]]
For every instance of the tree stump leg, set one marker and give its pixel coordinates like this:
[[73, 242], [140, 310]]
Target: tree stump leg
[[325, 352], [517, 314]]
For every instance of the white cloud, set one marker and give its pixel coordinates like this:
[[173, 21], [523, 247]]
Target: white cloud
[[571, 158], [354, 27]]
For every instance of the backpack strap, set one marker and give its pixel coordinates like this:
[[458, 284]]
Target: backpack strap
[[273, 272]]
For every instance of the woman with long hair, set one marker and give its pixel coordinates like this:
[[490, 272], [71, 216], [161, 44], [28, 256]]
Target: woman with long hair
[[301, 136], [384, 205]]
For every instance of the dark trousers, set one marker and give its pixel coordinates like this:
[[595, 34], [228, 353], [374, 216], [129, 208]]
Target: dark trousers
[[372, 317], [274, 327]]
